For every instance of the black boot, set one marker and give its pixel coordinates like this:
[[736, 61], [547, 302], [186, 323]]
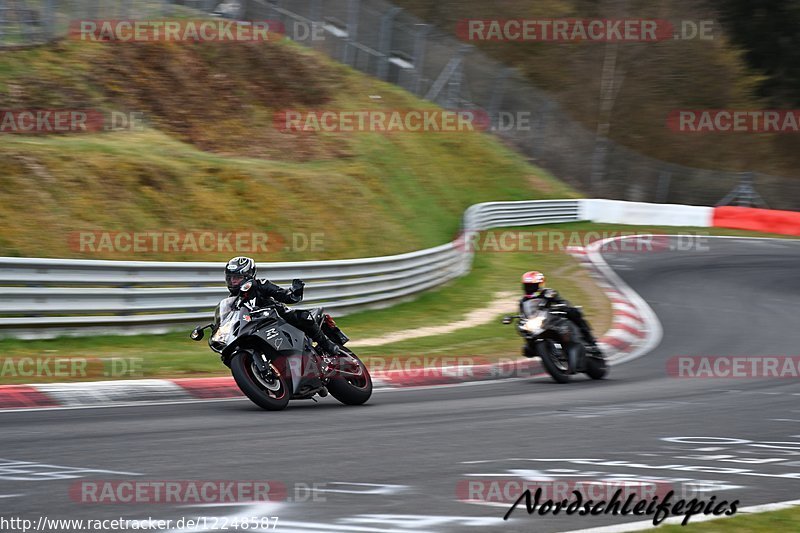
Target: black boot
[[313, 330], [591, 342], [327, 345]]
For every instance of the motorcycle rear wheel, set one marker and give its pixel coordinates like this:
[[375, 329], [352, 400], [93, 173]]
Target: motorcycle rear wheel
[[596, 367], [271, 393]]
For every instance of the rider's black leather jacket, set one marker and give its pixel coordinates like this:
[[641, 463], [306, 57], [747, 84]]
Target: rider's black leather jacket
[[268, 293], [549, 295]]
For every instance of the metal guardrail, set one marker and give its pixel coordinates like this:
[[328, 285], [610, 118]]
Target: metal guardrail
[[82, 297]]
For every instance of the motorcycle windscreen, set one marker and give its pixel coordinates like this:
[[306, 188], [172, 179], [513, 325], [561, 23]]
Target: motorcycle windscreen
[[224, 308], [225, 316]]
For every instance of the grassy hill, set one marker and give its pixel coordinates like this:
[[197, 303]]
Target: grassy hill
[[209, 157]]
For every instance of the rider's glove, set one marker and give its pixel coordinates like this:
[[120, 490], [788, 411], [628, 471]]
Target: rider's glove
[[297, 286]]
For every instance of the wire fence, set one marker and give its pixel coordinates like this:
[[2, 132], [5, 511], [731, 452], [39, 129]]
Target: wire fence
[[382, 40]]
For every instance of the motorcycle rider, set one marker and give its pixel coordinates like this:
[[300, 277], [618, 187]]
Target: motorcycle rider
[[242, 269], [533, 284]]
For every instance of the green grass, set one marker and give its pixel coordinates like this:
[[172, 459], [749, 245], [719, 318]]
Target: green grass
[[209, 157], [173, 354], [785, 520], [397, 199]]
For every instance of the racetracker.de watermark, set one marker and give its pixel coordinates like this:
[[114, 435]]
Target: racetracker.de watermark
[[736, 367], [509, 490], [177, 491], [411, 370], [424, 365], [70, 367], [632, 30], [42, 121], [561, 241], [202, 241], [202, 30], [734, 121], [381, 121], [194, 491]]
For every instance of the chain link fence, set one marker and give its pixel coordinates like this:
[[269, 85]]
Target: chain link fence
[[382, 40]]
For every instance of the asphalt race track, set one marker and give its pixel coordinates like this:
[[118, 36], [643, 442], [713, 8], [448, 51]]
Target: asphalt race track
[[394, 465]]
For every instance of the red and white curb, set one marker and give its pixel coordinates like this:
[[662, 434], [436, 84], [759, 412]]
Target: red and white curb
[[125, 392], [635, 329]]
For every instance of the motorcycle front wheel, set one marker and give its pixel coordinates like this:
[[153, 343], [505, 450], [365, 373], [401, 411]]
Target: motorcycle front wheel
[[554, 361], [270, 391], [352, 384]]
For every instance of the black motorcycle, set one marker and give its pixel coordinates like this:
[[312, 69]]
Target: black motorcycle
[[553, 337], [273, 361]]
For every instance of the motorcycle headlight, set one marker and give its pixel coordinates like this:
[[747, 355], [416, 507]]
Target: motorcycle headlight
[[222, 332], [533, 325]]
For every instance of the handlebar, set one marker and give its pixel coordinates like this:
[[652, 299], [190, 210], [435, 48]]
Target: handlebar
[[254, 311], [510, 318]]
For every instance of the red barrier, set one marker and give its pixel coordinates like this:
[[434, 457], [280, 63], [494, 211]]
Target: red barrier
[[766, 220]]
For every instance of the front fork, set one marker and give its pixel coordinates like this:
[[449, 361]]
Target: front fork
[[575, 355], [260, 362]]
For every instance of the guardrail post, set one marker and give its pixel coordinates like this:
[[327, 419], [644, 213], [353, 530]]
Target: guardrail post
[[385, 42], [496, 98], [420, 47], [353, 7], [598, 170], [450, 77], [314, 10], [539, 125], [456, 81], [662, 190], [744, 193], [49, 17]]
